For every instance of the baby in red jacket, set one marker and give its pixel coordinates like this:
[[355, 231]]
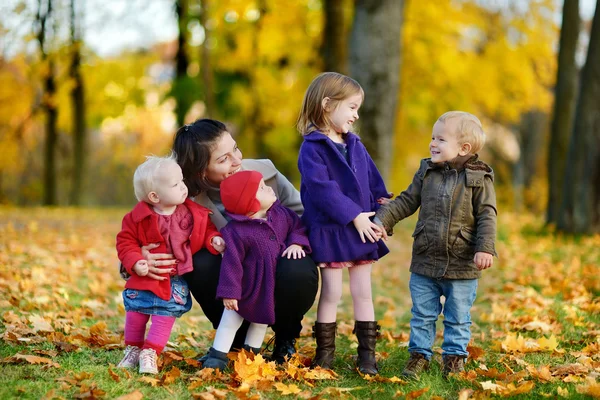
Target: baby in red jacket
[[166, 216]]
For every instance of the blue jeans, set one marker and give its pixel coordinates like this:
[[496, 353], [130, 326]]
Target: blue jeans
[[425, 293]]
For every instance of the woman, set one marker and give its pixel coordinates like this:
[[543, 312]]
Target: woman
[[207, 155]]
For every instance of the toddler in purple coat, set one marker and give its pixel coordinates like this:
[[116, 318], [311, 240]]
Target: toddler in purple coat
[[341, 189], [260, 231]]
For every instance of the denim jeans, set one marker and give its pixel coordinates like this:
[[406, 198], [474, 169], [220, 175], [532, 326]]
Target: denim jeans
[[426, 293]]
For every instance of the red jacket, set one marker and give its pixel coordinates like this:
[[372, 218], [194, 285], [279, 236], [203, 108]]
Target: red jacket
[[140, 228]]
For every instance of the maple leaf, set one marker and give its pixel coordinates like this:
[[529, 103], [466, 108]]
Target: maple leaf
[[319, 373], [542, 373], [170, 377], [151, 381], [113, 375], [32, 360], [592, 388], [417, 393], [524, 387], [287, 389], [475, 353], [492, 387], [135, 395]]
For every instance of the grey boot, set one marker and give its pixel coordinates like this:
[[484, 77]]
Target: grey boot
[[255, 350], [216, 359]]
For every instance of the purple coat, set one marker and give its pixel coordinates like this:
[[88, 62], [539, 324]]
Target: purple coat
[[333, 193], [253, 247]]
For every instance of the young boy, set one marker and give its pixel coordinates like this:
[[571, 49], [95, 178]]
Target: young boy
[[453, 240]]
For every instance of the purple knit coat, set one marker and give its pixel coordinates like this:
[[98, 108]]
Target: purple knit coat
[[253, 247], [334, 191]]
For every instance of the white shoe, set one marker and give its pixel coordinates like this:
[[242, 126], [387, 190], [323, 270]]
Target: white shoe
[[131, 358], [148, 361]]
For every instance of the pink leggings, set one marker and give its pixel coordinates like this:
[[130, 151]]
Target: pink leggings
[[360, 289], [158, 335]]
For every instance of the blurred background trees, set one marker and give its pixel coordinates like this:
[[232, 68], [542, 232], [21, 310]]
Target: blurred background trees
[[76, 119]]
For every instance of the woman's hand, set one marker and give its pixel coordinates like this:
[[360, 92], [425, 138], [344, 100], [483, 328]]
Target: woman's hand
[[230, 304], [218, 243], [158, 263], [295, 251], [366, 228], [141, 268]]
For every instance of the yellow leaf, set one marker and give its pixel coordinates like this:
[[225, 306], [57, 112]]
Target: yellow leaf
[[135, 395], [287, 389]]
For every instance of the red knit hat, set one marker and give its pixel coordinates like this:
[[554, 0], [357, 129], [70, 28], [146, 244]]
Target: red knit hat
[[238, 192]]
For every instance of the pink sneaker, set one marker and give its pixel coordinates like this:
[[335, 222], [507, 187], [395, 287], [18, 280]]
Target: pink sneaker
[[148, 361], [131, 358]]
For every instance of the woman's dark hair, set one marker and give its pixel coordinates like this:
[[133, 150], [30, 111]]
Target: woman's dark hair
[[193, 146]]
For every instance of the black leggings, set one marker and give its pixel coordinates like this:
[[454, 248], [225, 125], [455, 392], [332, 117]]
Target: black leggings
[[296, 286]]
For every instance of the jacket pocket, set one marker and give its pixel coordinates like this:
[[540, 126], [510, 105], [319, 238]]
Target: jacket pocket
[[420, 243], [464, 245]]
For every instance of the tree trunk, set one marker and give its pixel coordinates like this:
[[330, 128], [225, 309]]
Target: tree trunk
[[333, 47], [181, 63], [581, 205], [207, 73], [256, 122], [375, 63], [48, 104], [78, 101], [531, 139], [564, 107]]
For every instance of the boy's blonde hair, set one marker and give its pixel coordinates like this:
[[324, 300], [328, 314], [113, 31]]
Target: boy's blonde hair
[[143, 178], [468, 129], [337, 87]]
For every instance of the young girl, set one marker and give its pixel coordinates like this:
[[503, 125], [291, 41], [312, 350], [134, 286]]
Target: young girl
[[164, 215], [340, 190], [261, 231]]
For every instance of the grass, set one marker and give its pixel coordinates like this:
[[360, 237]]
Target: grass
[[59, 265]]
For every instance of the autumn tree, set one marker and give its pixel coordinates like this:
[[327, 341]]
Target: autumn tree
[[206, 69], [564, 107], [78, 105], [375, 63], [183, 87], [334, 44], [43, 16], [580, 211]]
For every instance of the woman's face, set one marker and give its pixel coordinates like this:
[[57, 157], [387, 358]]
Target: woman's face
[[225, 160]]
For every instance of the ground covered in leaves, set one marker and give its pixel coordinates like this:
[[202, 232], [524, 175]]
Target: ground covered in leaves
[[536, 331]]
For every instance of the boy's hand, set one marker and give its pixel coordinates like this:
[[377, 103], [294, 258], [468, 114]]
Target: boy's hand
[[295, 251], [384, 200], [483, 260], [218, 243], [230, 304], [141, 268], [366, 228]]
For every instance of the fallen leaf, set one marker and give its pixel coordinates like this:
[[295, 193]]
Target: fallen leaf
[[135, 395]]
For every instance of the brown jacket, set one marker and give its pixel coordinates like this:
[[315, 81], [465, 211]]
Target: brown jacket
[[457, 217]]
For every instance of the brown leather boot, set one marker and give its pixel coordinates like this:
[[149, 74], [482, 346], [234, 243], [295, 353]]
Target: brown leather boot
[[453, 365], [367, 333], [324, 332]]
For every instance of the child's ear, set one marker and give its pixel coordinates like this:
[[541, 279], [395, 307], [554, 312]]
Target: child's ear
[[153, 197], [325, 103], [465, 149]]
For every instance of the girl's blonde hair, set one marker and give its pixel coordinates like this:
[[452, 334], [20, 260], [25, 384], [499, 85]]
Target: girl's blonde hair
[[468, 129], [143, 178], [336, 87]]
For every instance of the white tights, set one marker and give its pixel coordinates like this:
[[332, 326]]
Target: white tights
[[229, 325], [360, 289]]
